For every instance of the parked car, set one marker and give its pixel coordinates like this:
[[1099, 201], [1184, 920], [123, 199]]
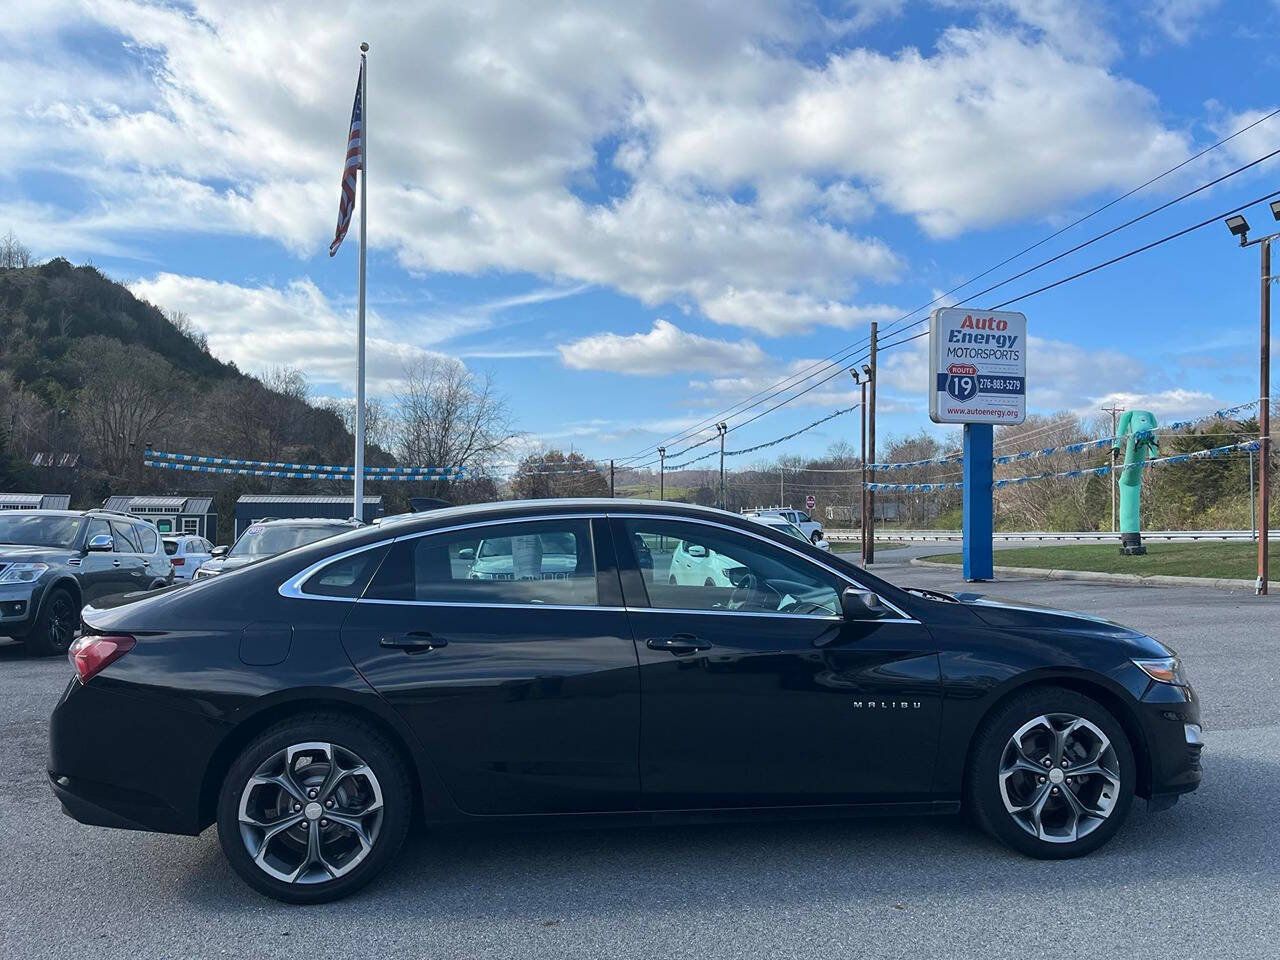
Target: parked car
[[267, 538], [811, 528], [52, 562], [187, 553], [354, 686], [786, 526]]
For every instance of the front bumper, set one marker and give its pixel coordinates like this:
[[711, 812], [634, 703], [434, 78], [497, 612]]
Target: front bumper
[[19, 604], [1171, 717]]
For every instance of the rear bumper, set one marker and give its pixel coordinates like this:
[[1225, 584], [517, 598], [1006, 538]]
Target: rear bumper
[[120, 760]]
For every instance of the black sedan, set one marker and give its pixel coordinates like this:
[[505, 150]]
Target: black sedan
[[314, 704]]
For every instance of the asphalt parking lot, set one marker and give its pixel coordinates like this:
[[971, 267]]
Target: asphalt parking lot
[[1200, 880]]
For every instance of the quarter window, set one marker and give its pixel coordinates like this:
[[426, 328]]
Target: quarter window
[[538, 562], [346, 577], [688, 566]]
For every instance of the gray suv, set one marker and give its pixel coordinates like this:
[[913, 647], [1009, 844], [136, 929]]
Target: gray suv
[[54, 562]]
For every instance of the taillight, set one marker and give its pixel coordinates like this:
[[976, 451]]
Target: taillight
[[177, 561], [90, 654]]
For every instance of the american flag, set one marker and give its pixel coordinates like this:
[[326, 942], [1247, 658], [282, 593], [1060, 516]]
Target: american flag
[[355, 161]]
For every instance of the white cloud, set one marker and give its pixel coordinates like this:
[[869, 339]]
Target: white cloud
[[295, 325], [1167, 403], [776, 313], [1178, 19], [663, 350], [736, 164]]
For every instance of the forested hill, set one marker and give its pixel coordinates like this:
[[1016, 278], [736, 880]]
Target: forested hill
[[44, 308], [90, 375]]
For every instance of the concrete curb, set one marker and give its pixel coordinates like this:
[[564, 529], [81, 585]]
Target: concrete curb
[[1133, 579]]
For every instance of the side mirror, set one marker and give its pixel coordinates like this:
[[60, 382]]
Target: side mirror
[[696, 550], [220, 551], [467, 553], [859, 604], [102, 543]]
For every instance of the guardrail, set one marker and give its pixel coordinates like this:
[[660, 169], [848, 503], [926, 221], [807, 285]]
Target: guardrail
[[888, 533]]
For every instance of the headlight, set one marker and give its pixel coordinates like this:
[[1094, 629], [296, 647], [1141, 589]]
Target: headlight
[[23, 572], [1164, 670]]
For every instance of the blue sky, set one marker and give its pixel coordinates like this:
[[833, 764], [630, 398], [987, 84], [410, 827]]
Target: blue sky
[[636, 214]]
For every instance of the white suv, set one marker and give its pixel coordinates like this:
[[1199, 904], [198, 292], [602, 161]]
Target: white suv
[[187, 553], [808, 526]]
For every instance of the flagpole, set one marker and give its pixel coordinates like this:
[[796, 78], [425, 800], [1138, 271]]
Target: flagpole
[[364, 223]]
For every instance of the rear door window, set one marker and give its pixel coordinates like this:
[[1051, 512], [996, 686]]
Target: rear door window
[[147, 537], [125, 536], [544, 562]]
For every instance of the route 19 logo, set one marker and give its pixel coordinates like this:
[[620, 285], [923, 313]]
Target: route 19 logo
[[962, 382]]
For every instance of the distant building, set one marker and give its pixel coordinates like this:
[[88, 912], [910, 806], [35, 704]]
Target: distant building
[[283, 506], [35, 501], [193, 515]]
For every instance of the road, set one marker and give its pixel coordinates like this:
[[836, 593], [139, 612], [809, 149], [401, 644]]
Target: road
[[1200, 880]]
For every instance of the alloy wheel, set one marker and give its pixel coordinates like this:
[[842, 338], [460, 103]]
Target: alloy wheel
[[61, 622], [1059, 777], [310, 813]]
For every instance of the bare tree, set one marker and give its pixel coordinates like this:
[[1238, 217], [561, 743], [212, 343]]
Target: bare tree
[[379, 429], [129, 396], [1071, 503], [183, 323], [447, 416], [554, 474], [13, 252]]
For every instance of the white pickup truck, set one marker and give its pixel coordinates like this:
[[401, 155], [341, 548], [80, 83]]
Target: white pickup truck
[[808, 526]]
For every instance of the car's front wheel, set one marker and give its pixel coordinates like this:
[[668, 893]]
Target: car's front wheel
[[1052, 774], [55, 626], [314, 808]]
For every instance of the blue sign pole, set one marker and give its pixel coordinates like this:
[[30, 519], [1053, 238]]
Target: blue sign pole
[[979, 440]]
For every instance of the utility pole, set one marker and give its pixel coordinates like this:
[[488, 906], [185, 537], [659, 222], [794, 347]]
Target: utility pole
[[1264, 422], [1253, 502], [722, 428], [611, 493], [782, 482], [869, 520], [862, 438], [662, 473], [1115, 412]]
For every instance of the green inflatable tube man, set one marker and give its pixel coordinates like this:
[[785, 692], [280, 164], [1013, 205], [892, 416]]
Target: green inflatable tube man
[[1137, 431]]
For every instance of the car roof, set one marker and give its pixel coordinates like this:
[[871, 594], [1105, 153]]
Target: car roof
[[309, 521]]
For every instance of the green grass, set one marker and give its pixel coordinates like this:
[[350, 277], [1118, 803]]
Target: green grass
[[1217, 559]]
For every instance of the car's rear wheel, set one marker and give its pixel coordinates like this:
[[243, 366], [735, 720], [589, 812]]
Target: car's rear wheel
[[314, 808], [55, 625], [1052, 774]]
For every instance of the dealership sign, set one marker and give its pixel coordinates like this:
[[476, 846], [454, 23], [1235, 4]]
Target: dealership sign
[[977, 366]]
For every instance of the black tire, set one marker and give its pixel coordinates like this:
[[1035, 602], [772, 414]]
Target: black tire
[[55, 625], [992, 801], [355, 738]]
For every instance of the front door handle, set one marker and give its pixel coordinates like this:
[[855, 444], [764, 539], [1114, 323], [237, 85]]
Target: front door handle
[[115, 563], [412, 642], [681, 643]]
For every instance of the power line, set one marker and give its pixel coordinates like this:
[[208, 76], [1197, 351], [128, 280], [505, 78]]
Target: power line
[[830, 358]]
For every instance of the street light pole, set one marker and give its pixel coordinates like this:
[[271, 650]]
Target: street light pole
[[1264, 421], [1239, 227]]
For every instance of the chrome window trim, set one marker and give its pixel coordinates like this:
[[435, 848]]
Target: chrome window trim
[[292, 587]]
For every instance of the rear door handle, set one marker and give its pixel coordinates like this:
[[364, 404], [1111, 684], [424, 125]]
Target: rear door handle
[[412, 642], [115, 563], [679, 644]]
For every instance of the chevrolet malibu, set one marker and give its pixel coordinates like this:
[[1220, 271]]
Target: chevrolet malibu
[[314, 704]]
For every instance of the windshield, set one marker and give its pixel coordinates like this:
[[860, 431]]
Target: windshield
[[36, 530], [261, 540]]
